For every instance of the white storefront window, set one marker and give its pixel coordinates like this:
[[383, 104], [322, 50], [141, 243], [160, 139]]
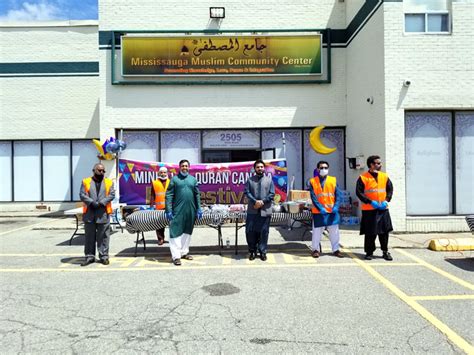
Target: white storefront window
[[84, 156], [140, 146], [6, 164], [428, 163], [332, 138], [27, 171], [177, 145], [464, 162], [56, 171], [274, 139]]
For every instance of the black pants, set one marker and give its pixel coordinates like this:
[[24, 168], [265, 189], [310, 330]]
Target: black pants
[[369, 242], [99, 234], [257, 229], [160, 234]]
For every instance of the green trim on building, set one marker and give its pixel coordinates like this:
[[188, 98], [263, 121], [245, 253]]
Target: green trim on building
[[50, 68]]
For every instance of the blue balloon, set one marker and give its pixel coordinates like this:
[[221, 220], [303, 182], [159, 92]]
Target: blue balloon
[[281, 181], [281, 163], [122, 145], [112, 147]]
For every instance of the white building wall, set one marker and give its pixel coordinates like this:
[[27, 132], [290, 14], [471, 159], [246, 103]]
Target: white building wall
[[49, 41], [239, 15], [41, 107], [441, 71], [365, 133], [216, 106]]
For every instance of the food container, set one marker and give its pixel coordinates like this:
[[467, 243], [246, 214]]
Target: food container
[[293, 207]]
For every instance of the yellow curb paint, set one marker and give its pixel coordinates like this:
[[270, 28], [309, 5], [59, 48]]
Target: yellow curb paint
[[30, 226], [295, 259], [197, 260], [226, 260], [454, 244], [122, 262], [443, 298], [147, 261], [167, 266], [270, 259], [437, 270], [453, 336]]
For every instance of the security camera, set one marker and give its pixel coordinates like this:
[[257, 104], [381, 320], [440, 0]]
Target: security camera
[[370, 100], [406, 83]]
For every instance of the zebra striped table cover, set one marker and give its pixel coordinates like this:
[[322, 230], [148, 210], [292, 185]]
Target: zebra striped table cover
[[150, 220], [277, 217], [470, 222]]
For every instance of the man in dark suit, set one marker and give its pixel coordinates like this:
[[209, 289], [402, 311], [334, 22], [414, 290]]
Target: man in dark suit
[[97, 194], [260, 192]]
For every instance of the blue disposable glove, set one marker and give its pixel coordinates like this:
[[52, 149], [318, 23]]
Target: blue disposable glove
[[383, 205], [323, 211], [199, 214], [335, 209], [375, 204], [169, 216], [94, 205]]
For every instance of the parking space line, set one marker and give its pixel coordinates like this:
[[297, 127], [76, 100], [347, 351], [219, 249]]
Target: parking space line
[[451, 334], [157, 266], [443, 298], [437, 270]]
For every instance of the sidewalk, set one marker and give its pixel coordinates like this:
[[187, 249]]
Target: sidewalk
[[280, 236]]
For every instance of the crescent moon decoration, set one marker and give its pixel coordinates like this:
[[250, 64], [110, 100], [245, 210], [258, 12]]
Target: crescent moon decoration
[[317, 144]]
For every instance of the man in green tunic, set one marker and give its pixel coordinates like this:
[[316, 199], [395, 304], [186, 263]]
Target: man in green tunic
[[183, 206]]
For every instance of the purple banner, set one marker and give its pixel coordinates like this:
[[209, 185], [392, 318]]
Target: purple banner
[[220, 183]]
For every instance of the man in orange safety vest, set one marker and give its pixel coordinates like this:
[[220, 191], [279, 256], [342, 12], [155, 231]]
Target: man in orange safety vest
[[158, 197], [375, 190], [97, 193]]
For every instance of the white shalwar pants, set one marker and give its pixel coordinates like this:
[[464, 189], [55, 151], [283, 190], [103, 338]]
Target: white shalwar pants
[[333, 237], [179, 246]]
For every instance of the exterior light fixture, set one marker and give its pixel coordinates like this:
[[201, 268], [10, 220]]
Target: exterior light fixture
[[217, 12]]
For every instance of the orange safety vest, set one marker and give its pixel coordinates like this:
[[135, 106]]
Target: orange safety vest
[[87, 186], [374, 190], [326, 196], [160, 193]]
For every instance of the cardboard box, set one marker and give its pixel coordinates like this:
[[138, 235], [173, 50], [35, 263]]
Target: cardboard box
[[299, 195]]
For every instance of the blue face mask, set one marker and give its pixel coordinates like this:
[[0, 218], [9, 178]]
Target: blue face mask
[[184, 174]]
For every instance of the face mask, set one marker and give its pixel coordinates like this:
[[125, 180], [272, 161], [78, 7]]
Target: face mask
[[163, 177], [98, 177], [323, 172], [184, 174]]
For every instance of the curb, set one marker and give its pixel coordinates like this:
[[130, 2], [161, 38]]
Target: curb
[[458, 244]]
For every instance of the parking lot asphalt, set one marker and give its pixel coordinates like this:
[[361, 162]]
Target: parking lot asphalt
[[220, 302]]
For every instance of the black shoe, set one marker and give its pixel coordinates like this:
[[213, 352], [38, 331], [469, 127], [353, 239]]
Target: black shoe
[[368, 256], [338, 254], [177, 262], [252, 256], [88, 261], [386, 255], [263, 256], [105, 261]]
